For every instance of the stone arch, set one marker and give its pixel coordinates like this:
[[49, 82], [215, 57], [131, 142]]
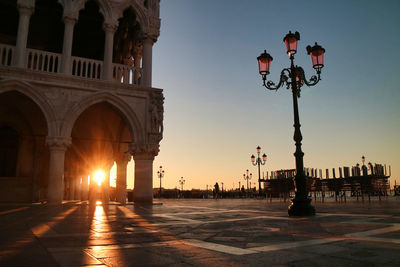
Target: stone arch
[[140, 11], [104, 7], [46, 27], [134, 125], [127, 44], [38, 98], [89, 35]]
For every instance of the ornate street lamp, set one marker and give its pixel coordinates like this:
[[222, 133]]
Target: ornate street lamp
[[363, 160], [294, 78], [160, 176], [258, 161], [247, 177], [182, 182]]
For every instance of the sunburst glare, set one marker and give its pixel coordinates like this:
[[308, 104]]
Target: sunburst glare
[[99, 177]]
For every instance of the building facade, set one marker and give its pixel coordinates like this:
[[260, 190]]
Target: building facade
[[76, 96]]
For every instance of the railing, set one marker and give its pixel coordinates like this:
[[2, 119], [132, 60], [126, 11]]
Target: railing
[[127, 74], [86, 68], [42, 61], [6, 54]]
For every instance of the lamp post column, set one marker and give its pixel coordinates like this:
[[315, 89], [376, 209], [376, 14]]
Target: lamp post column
[[247, 178], [259, 162], [182, 182], [294, 77], [160, 176], [301, 204], [259, 177]]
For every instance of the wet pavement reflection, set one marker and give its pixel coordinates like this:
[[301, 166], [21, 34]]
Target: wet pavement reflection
[[199, 232]]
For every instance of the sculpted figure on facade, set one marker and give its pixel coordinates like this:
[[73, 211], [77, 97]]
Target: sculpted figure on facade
[[156, 111], [125, 38]]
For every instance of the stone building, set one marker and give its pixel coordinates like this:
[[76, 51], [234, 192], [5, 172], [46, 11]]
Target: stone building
[[76, 96]]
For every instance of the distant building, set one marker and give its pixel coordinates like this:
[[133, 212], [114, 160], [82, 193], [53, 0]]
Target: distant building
[[76, 95], [371, 180]]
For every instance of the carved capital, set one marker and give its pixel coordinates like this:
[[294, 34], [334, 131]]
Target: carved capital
[[26, 7], [144, 151], [58, 142], [123, 158], [149, 36], [70, 17], [155, 138], [155, 23], [110, 26]]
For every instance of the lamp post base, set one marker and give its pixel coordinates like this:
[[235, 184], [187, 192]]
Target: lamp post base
[[301, 207]]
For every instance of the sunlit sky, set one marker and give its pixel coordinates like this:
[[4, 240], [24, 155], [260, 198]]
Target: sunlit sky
[[217, 112]]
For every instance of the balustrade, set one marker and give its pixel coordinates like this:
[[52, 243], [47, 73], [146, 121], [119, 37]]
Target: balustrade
[[44, 61], [127, 74], [6, 54], [86, 68]]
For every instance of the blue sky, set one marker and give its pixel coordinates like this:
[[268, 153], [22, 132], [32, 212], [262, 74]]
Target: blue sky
[[217, 112]]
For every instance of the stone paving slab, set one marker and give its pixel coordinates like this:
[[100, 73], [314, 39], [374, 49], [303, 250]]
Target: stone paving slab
[[238, 232]]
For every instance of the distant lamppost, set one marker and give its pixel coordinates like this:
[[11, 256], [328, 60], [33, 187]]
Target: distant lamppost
[[363, 160], [182, 182], [258, 161], [160, 176], [247, 177], [294, 78]]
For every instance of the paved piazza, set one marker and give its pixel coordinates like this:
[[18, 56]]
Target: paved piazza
[[238, 232]]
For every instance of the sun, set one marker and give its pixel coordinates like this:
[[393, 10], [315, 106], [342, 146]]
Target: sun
[[99, 176]]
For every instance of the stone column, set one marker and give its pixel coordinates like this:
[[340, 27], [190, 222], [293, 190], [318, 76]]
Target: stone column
[[106, 183], [77, 186], [73, 177], [25, 9], [69, 23], [147, 61], [57, 147], [122, 162], [72, 188], [144, 156], [84, 187], [109, 30], [94, 189], [68, 181], [137, 58]]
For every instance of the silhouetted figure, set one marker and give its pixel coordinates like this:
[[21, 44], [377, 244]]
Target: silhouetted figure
[[216, 188], [243, 191]]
